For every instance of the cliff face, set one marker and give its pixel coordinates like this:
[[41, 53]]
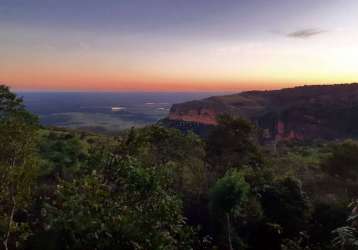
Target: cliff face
[[309, 112], [204, 111], [204, 116]]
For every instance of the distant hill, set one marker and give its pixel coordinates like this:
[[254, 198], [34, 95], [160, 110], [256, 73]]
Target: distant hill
[[307, 112]]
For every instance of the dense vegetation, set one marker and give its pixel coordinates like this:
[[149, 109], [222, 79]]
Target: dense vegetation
[[158, 188]]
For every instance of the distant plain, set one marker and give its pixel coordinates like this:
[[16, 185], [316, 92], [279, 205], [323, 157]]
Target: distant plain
[[104, 112]]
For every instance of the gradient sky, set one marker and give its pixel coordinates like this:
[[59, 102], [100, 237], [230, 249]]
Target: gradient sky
[[179, 45]]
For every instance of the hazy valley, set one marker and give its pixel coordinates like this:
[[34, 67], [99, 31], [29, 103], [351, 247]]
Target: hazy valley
[[103, 112]]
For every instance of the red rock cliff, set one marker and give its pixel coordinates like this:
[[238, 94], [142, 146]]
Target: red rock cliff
[[308, 112]]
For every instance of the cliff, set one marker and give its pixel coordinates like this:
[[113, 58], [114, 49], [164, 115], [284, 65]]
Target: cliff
[[307, 112]]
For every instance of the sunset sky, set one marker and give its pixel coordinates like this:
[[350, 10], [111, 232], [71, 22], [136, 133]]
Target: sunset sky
[[176, 45]]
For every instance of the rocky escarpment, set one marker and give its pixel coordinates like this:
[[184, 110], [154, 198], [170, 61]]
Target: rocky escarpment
[[308, 112], [204, 111]]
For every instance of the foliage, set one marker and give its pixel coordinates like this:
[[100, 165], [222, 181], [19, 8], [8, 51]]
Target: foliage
[[183, 153], [227, 197], [131, 208], [232, 144], [324, 219], [285, 203], [18, 166], [228, 193], [62, 154], [347, 236], [343, 161], [9, 103]]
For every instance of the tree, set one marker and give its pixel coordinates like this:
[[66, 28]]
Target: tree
[[119, 205], [62, 154], [161, 147], [232, 143], [226, 198], [343, 161], [18, 166], [9, 103], [284, 203]]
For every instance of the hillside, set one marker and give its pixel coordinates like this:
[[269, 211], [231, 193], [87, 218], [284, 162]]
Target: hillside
[[307, 112]]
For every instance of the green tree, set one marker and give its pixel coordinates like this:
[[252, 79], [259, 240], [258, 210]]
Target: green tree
[[62, 153], [226, 198], [232, 143], [123, 205], [161, 147], [9, 103], [18, 168]]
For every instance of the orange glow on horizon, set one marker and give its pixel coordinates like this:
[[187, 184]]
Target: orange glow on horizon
[[156, 86], [94, 81]]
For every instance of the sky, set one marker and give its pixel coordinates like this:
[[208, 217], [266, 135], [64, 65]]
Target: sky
[[176, 45]]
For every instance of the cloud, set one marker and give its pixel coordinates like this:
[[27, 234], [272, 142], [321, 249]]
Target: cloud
[[305, 33]]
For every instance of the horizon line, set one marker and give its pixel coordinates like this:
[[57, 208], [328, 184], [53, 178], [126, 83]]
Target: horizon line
[[288, 86]]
